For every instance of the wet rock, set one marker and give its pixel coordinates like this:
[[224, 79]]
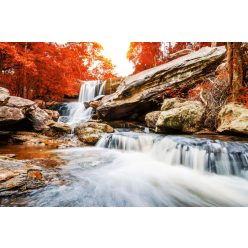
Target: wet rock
[[53, 114], [4, 96], [57, 129], [94, 104], [22, 176], [36, 139], [138, 94], [180, 116], [233, 118], [152, 118], [6, 174], [91, 132]]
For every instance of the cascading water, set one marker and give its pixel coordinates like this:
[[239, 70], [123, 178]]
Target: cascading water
[[139, 169], [224, 158], [76, 112]]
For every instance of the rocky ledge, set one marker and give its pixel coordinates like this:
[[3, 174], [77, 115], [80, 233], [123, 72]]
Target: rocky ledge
[[23, 176], [142, 92], [19, 114]]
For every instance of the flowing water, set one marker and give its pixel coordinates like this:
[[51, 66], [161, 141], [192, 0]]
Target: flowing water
[[76, 112], [140, 169]]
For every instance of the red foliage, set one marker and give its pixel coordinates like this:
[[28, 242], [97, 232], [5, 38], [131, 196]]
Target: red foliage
[[48, 70], [145, 55]]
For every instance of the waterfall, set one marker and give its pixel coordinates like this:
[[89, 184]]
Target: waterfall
[[76, 112], [220, 157]]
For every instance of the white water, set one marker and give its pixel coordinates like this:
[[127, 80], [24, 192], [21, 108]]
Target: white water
[[77, 111], [224, 158], [135, 169], [108, 177]]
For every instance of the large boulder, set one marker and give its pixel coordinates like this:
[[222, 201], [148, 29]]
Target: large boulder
[[91, 132], [151, 118], [233, 118], [137, 94], [4, 96], [180, 116], [17, 113]]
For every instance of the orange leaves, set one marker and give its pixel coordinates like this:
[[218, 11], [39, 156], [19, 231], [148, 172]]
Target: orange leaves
[[145, 55], [49, 71]]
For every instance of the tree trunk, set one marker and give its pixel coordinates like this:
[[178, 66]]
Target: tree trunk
[[235, 69]]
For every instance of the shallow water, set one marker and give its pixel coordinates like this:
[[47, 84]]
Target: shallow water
[[148, 170]]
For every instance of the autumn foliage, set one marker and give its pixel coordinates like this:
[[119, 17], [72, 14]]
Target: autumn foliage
[[145, 55], [49, 71]]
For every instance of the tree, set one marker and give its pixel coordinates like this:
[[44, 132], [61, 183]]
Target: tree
[[235, 69], [145, 55], [48, 70]]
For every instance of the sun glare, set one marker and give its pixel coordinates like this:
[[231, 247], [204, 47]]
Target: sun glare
[[117, 51]]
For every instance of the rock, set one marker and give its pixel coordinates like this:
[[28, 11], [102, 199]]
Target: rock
[[94, 104], [38, 118], [152, 118], [36, 139], [91, 132], [40, 103], [139, 93], [127, 124], [53, 114], [18, 102], [6, 174], [180, 116], [57, 129], [221, 68], [179, 54], [9, 115], [233, 118], [16, 176], [22, 114], [4, 96]]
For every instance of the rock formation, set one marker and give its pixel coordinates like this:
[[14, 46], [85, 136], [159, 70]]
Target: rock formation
[[138, 94]]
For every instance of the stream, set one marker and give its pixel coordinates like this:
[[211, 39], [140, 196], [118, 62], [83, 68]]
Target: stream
[[138, 169], [129, 169]]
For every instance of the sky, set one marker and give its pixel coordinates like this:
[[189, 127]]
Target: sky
[[117, 51]]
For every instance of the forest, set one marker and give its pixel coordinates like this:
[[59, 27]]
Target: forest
[[76, 132]]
